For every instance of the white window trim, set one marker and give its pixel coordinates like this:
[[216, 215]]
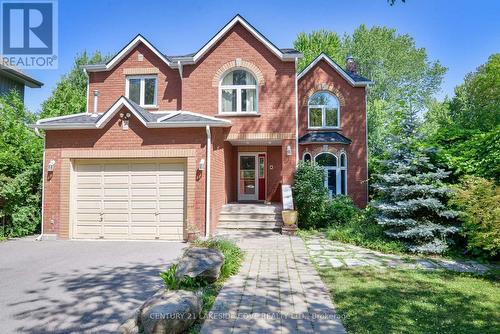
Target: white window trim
[[337, 170], [323, 112], [142, 89], [238, 88]]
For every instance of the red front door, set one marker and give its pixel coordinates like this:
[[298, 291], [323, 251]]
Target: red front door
[[262, 176]]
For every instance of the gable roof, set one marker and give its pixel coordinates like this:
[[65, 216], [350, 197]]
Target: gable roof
[[171, 119], [286, 54], [125, 51], [15, 74], [354, 79], [283, 54]]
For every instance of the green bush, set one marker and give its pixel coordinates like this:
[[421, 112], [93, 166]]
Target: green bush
[[187, 283], [479, 201], [340, 210], [310, 195], [363, 231]]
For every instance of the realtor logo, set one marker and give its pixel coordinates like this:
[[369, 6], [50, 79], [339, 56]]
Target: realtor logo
[[29, 34]]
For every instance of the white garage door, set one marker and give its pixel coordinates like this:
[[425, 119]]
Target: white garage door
[[128, 199]]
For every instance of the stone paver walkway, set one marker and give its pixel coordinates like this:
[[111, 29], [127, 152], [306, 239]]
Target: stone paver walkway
[[276, 291], [327, 253]]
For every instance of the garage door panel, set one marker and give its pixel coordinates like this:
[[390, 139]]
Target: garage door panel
[[115, 217], [173, 216], [171, 204], [143, 201], [122, 230], [116, 179], [143, 179], [145, 191], [116, 205], [143, 217], [144, 167], [117, 168], [88, 204], [83, 169], [143, 205], [116, 192]]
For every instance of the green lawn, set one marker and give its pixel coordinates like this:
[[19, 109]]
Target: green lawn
[[414, 301]]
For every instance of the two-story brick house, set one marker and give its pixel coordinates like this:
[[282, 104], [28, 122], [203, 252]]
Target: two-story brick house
[[167, 141]]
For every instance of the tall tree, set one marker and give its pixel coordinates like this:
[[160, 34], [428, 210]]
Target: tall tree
[[69, 95], [476, 105]]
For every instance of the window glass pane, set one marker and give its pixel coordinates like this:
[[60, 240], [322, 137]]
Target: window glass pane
[[326, 159], [343, 185], [324, 99], [307, 157], [150, 89], [134, 90], [332, 182], [248, 100], [239, 77], [229, 100], [261, 167], [314, 116], [331, 116], [342, 160]]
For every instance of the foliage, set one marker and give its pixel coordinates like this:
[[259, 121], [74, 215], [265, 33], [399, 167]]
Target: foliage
[[413, 301], [403, 75], [186, 283], [233, 255], [479, 200], [340, 210], [412, 200], [69, 96], [469, 152], [310, 194], [20, 168], [476, 105]]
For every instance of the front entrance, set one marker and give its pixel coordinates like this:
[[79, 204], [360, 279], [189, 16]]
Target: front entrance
[[251, 176]]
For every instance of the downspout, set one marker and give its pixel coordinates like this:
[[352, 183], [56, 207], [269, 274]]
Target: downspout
[[366, 140], [40, 237], [207, 180], [296, 115]]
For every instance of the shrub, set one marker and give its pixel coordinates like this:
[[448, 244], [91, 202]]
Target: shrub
[[187, 283], [363, 231], [479, 200], [310, 194], [340, 210]]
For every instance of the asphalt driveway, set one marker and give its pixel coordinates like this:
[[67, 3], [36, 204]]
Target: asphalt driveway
[[77, 286]]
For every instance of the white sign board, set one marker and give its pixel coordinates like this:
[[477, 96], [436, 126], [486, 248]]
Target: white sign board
[[286, 194]]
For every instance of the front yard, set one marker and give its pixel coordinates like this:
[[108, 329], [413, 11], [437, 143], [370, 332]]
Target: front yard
[[385, 301]]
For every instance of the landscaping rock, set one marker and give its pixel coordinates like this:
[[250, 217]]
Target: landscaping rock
[[170, 312], [200, 262]]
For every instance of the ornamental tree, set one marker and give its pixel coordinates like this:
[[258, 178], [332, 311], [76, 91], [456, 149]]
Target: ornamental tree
[[412, 195]]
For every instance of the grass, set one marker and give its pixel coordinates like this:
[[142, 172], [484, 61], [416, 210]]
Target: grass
[[233, 258], [414, 301]]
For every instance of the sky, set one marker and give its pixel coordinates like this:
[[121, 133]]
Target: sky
[[461, 34]]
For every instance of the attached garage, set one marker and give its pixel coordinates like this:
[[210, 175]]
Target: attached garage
[[128, 199]]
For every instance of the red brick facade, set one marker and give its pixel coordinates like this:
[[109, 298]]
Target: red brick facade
[[196, 92]]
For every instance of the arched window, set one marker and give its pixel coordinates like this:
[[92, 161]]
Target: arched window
[[238, 92], [307, 157], [324, 110], [335, 173]]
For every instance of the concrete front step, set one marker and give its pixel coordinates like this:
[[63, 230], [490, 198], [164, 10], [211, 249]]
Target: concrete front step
[[249, 217]]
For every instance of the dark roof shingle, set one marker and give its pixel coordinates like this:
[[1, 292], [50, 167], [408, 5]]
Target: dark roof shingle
[[324, 137]]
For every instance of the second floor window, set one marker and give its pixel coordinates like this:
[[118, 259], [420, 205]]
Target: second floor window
[[324, 110], [238, 93], [142, 90]]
